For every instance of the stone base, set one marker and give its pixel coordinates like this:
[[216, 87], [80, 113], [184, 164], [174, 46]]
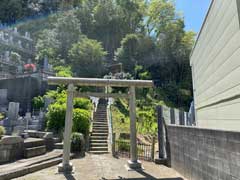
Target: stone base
[[65, 168], [134, 165]]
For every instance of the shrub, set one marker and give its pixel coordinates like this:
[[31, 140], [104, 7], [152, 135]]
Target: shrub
[[2, 116], [81, 121], [82, 103], [38, 102], [77, 142], [123, 145], [2, 131], [56, 116]]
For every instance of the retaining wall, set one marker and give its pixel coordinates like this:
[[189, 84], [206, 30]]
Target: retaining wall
[[204, 154]]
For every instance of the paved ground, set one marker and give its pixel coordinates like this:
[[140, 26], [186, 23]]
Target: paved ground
[[104, 167], [30, 161]]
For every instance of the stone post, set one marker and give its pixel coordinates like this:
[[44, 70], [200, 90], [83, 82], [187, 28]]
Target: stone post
[[66, 166], [153, 148], [133, 163], [161, 134], [113, 144]]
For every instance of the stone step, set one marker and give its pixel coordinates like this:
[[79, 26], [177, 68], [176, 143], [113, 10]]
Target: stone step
[[98, 145], [99, 149], [100, 120], [99, 134], [98, 152], [99, 138], [58, 145], [98, 141], [33, 142], [99, 131], [100, 123], [56, 140], [100, 126], [35, 151]]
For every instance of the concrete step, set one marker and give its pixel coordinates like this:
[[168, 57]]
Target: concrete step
[[56, 140], [33, 142], [99, 134], [99, 131], [98, 152], [98, 141], [100, 123], [98, 145], [58, 145], [35, 151], [99, 149], [98, 138]]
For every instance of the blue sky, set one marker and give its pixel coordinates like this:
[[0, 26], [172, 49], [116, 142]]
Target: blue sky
[[194, 12]]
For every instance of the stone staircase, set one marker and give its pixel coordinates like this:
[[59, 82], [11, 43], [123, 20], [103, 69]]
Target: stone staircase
[[34, 147], [99, 136]]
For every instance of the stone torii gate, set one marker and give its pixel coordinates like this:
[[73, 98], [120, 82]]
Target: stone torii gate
[[133, 163]]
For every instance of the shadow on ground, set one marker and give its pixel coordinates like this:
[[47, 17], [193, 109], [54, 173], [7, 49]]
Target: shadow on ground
[[146, 177]]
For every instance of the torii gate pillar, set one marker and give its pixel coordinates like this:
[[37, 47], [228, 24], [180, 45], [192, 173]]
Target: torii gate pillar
[[66, 166], [133, 163]]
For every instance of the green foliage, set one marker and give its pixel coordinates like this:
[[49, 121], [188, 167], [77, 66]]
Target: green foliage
[[123, 145], [62, 71], [82, 103], [135, 50], [2, 116], [38, 102], [76, 142], [81, 119], [2, 131], [57, 110], [87, 58], [56, 116]]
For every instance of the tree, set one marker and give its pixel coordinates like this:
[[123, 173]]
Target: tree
[[47, 46], [68, 32], [87, 58], [135, 49]]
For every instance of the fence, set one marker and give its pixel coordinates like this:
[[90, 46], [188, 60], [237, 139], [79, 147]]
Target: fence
[[177, 117], [145, 151]]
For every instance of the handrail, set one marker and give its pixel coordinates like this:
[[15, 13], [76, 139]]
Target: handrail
[[110, 126]]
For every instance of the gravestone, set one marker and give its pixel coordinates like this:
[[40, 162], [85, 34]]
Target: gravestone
[[11, 121], [3, 96]]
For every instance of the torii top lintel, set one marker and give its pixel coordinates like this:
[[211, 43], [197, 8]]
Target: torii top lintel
[[100, 82]]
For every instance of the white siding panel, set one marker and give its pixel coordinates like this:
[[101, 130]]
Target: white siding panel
[[216, 68], [220, 23], [221, 38], [211, 17]]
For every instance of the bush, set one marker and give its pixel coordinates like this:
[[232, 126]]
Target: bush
[[56, 117], [2, 116], [38, 102], [2, 131], [77, 142], [82, 103], [81, 121]]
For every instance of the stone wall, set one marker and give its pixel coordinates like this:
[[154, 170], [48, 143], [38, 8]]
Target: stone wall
[[204, 154], [11, 148]]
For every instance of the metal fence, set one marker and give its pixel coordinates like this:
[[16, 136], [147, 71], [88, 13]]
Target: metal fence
[[122, 149]]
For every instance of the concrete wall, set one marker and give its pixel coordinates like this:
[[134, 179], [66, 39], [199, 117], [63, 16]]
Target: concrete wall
[[204, 154], [22, 90], [216, 68]]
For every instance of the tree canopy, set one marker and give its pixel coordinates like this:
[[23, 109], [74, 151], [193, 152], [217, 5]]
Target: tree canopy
[[147, 37]]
